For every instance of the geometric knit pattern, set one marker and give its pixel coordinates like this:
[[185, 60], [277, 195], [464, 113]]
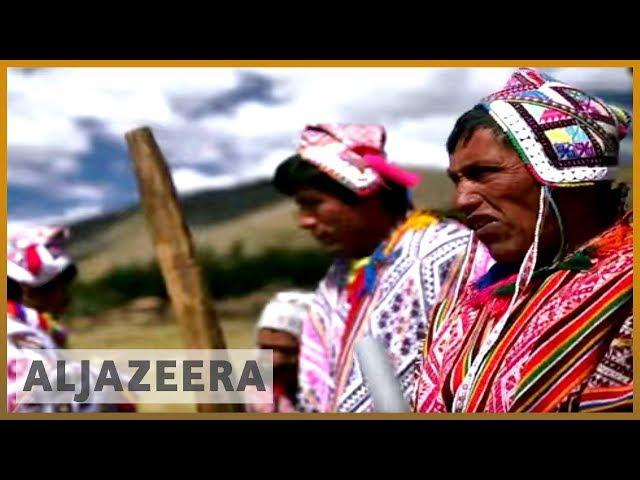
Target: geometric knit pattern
[[396, 314], [564, 135]]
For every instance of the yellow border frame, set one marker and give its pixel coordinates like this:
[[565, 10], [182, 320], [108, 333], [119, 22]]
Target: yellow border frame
[[635, 64]]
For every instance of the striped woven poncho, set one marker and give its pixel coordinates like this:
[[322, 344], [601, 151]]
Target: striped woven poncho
[[566, 346]]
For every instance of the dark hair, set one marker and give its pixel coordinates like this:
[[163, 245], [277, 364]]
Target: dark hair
[[613, 199], [610, 198], [67, 276], [295, 172], [395, 199], [14, 291], [468, 123]]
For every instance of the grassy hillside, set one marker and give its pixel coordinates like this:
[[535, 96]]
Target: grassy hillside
[[253, 216]]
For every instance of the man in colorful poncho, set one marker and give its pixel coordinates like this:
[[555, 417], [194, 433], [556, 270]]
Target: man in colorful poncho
[[548, 328], [391, 261], [39, 274]]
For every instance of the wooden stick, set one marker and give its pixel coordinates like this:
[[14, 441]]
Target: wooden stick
[[174, 249]]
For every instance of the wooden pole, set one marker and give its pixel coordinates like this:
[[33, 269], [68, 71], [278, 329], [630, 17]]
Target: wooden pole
[[174, 249]]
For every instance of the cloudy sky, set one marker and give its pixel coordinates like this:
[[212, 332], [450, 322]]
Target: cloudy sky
[[221, 126]]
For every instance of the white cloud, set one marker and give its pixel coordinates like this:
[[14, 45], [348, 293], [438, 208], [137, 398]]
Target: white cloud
[[26, 177], [82, 191], [611, 78], [67, 217], [187, 180]]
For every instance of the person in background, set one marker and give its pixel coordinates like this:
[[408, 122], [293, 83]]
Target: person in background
[[39, 265], [39, 275], [278, 329]]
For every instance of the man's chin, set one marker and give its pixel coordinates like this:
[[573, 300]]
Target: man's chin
[[504, 254]]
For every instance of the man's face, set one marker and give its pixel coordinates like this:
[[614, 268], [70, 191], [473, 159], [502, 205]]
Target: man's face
[[497, 194], [341, 228], [285, 354]]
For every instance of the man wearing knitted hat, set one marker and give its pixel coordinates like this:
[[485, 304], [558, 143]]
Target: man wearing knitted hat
[[279, 329], [390, 261], [548, 328], [40, 271], [39, 274]]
